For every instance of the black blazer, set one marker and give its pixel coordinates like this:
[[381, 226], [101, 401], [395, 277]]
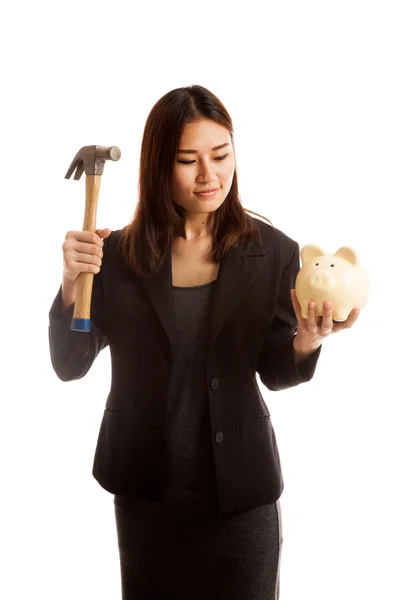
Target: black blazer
[[251, 330]]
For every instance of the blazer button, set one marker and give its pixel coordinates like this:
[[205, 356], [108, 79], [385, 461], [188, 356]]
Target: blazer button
[[214, 383], [219, 436]]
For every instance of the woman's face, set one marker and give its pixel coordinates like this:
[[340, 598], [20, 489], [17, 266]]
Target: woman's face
[[200, 166]]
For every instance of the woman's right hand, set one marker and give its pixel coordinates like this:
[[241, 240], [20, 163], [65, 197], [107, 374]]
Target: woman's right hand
[[82, 252]]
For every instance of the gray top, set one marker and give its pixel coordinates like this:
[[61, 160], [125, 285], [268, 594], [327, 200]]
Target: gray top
[[189, 468]]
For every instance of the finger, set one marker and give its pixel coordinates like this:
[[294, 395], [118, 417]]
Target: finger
[[312, 324], [327, 322], [90, 237], [93, 259], [349, 322], [89, 249], [103, 233], [81, 247]]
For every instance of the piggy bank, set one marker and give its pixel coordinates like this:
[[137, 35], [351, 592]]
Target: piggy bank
[[335, 277]]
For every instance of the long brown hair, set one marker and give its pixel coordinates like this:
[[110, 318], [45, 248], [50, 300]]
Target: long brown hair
[[158, 219]]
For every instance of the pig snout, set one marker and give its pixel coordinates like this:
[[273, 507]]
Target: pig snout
[[322, 282]]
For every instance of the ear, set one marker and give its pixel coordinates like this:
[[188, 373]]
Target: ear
[[309, 252], [348, 254]]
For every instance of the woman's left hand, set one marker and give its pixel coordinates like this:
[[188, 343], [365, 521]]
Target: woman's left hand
[[312, 331]]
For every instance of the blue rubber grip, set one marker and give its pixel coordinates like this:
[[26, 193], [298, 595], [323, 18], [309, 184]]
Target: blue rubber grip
[[80, 324]]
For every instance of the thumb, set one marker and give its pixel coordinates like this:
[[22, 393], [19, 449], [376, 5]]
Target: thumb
[[103, 233]]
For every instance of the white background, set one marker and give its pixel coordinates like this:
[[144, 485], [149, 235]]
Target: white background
[[313, 91]]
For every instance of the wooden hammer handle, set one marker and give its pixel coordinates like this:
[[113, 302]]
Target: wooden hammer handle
[[81, 317]]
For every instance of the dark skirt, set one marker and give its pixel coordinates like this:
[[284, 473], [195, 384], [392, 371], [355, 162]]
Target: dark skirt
[[170, 554]]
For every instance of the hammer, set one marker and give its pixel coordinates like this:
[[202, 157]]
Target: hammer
[[90, 159]]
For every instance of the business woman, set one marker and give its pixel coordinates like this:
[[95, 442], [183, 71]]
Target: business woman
[[193, 298]]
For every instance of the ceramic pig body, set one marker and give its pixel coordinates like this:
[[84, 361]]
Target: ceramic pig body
[[335, 277]]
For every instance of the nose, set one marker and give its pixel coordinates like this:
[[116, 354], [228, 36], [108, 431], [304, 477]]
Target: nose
[[322, 282], [206, 173]]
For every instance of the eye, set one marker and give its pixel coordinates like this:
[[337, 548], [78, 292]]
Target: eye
[[190, 162], [332, 265], [316, 264]]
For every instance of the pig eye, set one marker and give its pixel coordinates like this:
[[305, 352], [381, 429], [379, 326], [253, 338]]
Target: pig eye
[[316, 264], [332, 265]]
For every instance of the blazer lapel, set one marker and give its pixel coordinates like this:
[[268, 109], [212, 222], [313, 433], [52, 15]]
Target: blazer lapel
[[237, 269]]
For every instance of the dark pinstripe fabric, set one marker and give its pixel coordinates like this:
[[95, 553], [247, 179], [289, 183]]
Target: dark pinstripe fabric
[[251, 330]]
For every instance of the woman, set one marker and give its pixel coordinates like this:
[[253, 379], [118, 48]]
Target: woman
[[193, 298]]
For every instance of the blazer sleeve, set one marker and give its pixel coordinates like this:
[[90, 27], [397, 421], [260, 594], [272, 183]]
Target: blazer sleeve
[[72, 353], [276, 365]]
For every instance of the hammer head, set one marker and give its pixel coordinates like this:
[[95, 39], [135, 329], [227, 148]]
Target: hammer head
[[91, 159]]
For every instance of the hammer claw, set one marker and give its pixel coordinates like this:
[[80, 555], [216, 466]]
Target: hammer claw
[[71, 169], [79, 169], [77, 164]]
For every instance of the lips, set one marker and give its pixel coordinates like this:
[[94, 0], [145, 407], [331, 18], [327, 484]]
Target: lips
[[207, 194], [207, 191]]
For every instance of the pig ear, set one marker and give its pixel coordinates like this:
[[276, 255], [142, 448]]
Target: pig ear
[[348, 254], [310, 251]]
